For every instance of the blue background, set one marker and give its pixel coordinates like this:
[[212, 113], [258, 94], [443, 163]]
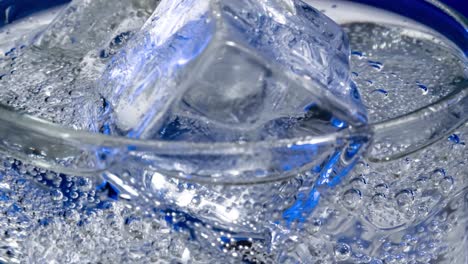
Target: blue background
[[459, 5]]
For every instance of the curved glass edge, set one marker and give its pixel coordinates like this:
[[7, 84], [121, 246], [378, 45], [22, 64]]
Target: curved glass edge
[[402, 136], [431, 13], [56, 148], [53, 147]]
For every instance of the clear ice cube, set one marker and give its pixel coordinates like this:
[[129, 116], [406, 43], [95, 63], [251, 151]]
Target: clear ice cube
[[231, 68]]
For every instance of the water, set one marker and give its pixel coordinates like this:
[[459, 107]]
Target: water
[[230, 71], [50, 72], [412, 210]]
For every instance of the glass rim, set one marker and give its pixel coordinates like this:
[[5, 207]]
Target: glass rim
[[36, 126]]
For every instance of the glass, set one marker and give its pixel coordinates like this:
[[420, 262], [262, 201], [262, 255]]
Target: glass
[[238, 193]]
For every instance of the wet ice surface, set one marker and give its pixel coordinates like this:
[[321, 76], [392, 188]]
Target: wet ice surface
[[408, 211], [225, 70]]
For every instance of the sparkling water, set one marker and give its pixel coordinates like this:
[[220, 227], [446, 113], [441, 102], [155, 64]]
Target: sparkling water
[[412, 210], [50, 72]]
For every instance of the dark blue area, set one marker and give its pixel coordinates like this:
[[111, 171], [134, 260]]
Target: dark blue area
[[173, 130], [112, 191], [454, 138], [174, 217], [23, 8], [459, 5]]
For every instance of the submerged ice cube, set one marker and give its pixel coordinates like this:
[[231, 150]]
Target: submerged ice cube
[[230, 68]]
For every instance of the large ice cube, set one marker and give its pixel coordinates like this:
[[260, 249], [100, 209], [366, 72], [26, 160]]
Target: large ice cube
[[230, 66]]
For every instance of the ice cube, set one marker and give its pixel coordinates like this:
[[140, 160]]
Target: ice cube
[[231, 68]]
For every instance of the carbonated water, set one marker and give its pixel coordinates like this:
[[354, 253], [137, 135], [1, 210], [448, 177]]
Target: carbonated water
[[412, 210]]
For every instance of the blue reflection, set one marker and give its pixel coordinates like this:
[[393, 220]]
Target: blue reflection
[[302, 208]]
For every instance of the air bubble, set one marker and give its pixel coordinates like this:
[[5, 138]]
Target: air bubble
[[359, 182], [74, 195], [352, 198], [404, 198], [357, 54], [376, 64], [381, 188], [446, 184], [437, 175], [423, 87], [56, 195], [314, 226], [379, 199], [422, 182], [342, 251], [362, 167], [381, 91], [196, 201]]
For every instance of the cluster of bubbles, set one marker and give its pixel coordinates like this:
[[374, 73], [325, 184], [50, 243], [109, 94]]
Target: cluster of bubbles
[[377, 216], [49, 217], [393, 71], [51, 92], [50, 71]]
